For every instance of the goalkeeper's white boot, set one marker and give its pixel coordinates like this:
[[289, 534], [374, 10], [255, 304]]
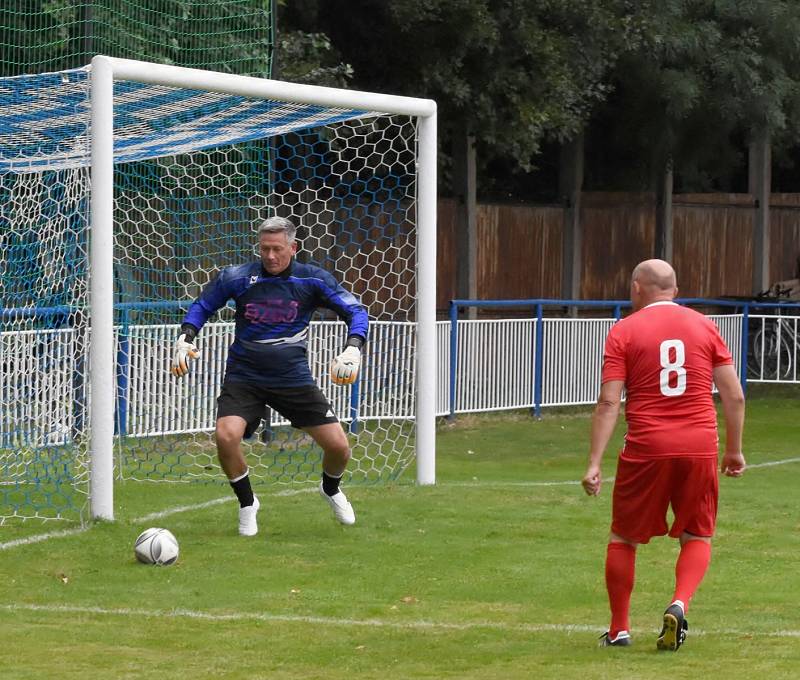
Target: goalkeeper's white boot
[[248, 526], [342, 510]]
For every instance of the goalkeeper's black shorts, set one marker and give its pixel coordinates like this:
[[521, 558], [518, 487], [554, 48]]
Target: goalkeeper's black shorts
[[304, 406]]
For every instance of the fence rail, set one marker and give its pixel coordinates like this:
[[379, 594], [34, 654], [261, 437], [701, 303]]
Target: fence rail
[[483, 365]]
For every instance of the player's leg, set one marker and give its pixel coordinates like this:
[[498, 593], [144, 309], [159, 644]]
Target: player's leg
[[239, 410], [335, 454], [638, 510], [308, 409], [335, 448], [229, 434], [620, 573], [691, 567], [694, 503]]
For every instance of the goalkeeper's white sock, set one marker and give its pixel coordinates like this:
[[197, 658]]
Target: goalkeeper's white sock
[[241, 487]]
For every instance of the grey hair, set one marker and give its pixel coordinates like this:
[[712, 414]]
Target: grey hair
[[277, 225]]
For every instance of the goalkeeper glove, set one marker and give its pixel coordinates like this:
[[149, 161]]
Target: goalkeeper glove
[[344, 368], [184, 350]]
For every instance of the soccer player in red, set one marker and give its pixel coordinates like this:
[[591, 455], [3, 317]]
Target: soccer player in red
[[665, 357]]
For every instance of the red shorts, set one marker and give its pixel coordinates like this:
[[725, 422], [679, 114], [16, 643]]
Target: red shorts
[[645, 488]]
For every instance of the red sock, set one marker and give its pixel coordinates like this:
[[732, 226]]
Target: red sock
[[690, 569], [620, 568]]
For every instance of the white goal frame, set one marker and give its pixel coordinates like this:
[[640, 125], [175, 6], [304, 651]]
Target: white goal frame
[[105, 70]]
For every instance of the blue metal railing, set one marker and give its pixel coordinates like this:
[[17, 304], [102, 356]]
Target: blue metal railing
[[537, 306], [123, 314]]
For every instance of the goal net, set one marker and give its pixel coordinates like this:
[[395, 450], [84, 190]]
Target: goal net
[[195, 170]]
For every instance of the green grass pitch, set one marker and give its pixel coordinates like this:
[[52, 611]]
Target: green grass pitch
[[496, 572]]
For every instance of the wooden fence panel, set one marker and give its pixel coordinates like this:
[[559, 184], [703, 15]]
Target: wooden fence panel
[[519, 247], [445, 253], [784, 217], [618, 233], [713, 244], [519, 251]]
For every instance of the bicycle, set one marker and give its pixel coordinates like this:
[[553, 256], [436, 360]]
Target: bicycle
[[774, 348]]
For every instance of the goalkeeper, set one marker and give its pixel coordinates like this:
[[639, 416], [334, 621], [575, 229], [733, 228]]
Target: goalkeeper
[[267, 364]]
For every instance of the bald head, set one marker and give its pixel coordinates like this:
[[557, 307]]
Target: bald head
[[652, 281]]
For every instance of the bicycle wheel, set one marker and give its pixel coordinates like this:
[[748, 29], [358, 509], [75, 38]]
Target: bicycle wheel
[[771, 357]]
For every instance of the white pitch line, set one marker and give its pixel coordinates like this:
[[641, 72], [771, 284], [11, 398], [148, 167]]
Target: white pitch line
[[477, 483], [360, 623], [207, 504], [182, 508], [65, 533], [292, 492], [773, 463], [38, 538]]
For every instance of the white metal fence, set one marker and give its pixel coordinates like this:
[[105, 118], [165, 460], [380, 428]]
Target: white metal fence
[[41, 390], [496, 366], [774, 349]]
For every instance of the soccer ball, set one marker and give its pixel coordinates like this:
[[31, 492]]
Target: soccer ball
[[156, 546]]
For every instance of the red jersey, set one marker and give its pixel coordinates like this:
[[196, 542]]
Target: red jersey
[[665, 354]]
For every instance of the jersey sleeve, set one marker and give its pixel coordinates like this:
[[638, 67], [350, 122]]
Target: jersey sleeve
[[720, 354], [614, 366], [213, 297], [347, 307]]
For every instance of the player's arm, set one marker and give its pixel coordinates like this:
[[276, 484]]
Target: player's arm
[[345, 367], [732, 396], [213, 297], [604, 420]]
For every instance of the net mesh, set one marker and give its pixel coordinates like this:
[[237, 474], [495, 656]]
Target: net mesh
[[222, 35], [195, 172]]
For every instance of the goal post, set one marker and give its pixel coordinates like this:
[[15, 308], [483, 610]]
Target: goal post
[[174, 168], [105, 70]]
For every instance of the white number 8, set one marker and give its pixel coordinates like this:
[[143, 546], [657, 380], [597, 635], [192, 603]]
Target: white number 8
[[670, 367]]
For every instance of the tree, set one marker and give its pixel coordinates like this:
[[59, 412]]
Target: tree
[[49, 35], [705, 76], [509, 72]]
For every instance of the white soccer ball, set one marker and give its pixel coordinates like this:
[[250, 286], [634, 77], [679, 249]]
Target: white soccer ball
[[156, 546]]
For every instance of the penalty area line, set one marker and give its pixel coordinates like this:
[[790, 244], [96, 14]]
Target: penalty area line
[[38, 538], [208, 504], [66, 533], [506, 484], [245, 617], [773, 463]]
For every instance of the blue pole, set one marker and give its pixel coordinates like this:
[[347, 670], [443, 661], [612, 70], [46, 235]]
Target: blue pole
[[354, 392], [123, 368], [453, 355], [538, 363]]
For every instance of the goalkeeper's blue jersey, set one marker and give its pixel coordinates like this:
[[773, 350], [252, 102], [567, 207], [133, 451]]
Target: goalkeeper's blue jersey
[[272, 317]]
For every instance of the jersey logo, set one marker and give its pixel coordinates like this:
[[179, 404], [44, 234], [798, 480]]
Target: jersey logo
[[271, 311], [254, 279]]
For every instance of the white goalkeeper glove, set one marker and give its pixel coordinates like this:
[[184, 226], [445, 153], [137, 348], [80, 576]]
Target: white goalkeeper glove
[[184, 351], [344, 368]]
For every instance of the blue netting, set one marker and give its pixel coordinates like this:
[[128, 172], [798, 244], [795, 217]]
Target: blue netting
[[44, 120]]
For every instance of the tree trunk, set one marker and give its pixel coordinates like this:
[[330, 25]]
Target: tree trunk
[[570, 185], [760, 181], [663, 245], [464, 186]]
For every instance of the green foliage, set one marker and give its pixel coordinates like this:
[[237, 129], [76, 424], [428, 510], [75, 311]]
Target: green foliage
[[687, 80], [48, 35], [513, 72], [310, 58], [705, 77]]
